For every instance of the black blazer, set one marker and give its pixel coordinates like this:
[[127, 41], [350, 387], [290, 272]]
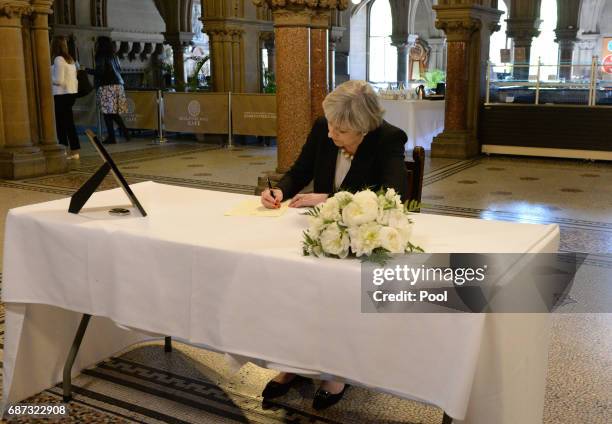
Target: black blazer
[[378, 162]]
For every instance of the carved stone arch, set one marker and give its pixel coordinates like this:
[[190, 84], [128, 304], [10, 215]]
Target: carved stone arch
[[428, 5], [360, 6]]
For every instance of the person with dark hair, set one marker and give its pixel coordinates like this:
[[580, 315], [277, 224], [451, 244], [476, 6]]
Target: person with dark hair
[[65, 87], [110, 91]]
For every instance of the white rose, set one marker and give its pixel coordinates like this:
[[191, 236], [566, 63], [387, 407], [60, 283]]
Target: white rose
[[334, 241], [343, 198], [365, 238], [398, 219], [330, 210], [363, 208], [404, 234], [315, 227], [392, 196], [383, 217], [391, 240]]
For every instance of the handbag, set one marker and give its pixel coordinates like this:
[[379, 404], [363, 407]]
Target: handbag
[[84, 85]]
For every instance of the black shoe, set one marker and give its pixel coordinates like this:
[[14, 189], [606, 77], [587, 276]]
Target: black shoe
[[274, 389], [323, 399]]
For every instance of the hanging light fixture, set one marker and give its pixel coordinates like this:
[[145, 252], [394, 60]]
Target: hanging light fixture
[[355, 1]]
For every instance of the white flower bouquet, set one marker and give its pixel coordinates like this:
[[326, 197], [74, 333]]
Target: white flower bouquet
[[366, 224]]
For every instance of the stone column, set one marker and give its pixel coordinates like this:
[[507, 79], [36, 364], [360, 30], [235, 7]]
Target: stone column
[[467, 29], [18, 157], [215, 39], [178, 56], [30, 77], [436, 56], [402, 46], [228, 68], [235, 36], [293, 113], [318, 62], [522, 31], [585, 50], [55, 153], [226, 57], [566, 38], [292, 22], [178, 41]]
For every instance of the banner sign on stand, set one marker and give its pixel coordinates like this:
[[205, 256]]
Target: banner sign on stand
[[142, 110], [196, 112], [254, 114]]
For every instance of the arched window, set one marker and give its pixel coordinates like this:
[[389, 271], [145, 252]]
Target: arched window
[[382, 66], [499, 40], [544, 45]]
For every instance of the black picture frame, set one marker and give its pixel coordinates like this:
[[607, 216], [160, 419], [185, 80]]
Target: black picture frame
[[82, 195]]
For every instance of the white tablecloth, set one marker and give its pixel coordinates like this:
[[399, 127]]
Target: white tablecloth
[[422, 120], [240, 285]]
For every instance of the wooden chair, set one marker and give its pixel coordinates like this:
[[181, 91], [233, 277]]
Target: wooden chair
[[415, 169]]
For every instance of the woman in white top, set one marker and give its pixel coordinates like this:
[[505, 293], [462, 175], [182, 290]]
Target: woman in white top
[[65, 87]]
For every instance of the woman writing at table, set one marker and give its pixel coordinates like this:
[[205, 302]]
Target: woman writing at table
[[351, 148]]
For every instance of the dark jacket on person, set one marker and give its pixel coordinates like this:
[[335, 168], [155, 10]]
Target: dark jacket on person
[[107, 71], [378, 162]]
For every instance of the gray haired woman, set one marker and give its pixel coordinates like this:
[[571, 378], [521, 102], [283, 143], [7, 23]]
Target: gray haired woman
[[351, 148]]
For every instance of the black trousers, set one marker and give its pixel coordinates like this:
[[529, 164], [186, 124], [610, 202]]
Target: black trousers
[[64, 121], [109, 118]]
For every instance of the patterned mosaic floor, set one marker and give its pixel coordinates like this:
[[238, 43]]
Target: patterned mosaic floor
[[192, 385]]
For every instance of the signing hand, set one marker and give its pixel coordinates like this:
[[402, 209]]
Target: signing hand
[[272, 202], [307, 200]]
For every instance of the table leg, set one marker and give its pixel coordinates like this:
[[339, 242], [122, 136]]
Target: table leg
[[446, 419], [168, 344], [78, 338]]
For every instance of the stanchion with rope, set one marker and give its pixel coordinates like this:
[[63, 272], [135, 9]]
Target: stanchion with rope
[[160, 124], [230, 142]]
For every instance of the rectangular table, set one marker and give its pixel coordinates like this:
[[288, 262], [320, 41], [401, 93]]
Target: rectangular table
[[421, 120], [240, 285]]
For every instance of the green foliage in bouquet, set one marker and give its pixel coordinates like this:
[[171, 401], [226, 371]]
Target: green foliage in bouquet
[[433, 77], [368, 225]]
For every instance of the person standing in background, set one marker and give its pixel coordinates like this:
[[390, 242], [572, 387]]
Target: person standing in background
[[109, 86], [65, 87]]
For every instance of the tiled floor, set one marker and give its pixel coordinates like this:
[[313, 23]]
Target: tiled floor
[[134, 387]]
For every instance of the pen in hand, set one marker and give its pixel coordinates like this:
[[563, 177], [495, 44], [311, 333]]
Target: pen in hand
[[270, 188]]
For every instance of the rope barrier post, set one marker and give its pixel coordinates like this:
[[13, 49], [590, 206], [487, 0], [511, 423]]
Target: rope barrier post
[[230, 143], [160, 124], [593, 82]]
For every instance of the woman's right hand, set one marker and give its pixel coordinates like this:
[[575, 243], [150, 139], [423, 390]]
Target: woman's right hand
[[272, 202]]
